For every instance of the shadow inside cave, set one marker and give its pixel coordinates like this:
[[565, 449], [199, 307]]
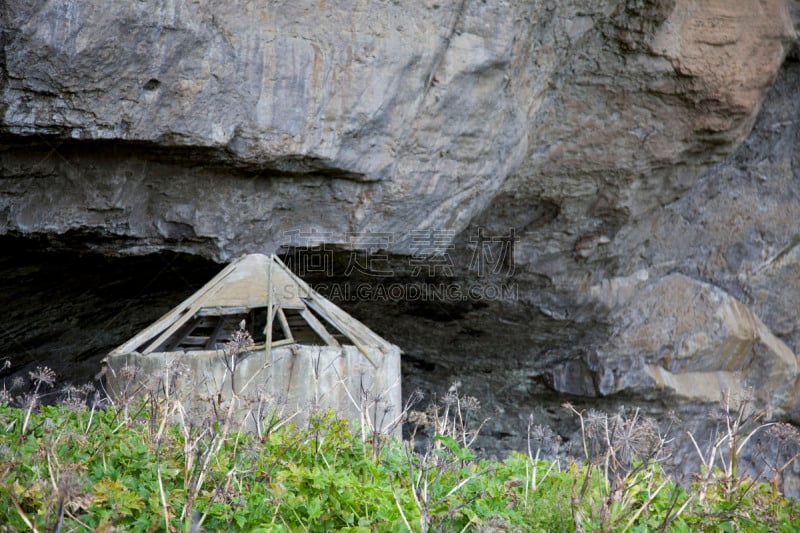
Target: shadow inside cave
[[67, 308]]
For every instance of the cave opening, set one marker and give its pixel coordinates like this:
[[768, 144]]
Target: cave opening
[[66, 307]]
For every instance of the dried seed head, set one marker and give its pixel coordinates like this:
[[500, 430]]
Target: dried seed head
[[28, 400], [545, 439], [636, 436], [470, 403], [74, 403], [43, 374], [784, 432], [418, 418], [241, 340], [596, 422]]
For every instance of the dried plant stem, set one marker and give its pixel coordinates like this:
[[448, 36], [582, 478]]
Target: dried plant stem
[[163, 499], [400, 508], [645, 505], [24, 516]]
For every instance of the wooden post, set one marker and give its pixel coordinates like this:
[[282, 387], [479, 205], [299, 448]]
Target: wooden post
[[268, 343]]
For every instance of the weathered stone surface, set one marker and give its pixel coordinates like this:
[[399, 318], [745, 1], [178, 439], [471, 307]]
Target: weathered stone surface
[[655, 243], [402, 116], [412, 100], [694, 341], [736, 227]]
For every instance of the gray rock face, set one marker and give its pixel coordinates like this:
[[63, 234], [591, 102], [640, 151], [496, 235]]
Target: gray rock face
[[404, 106], [654, 253], [397, 116]]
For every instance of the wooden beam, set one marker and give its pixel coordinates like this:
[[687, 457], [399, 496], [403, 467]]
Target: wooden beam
[[176, 314], [188, 315], [212, 339], [282, 342], [287, 332], [318, 328]]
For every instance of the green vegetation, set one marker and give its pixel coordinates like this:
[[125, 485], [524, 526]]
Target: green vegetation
[[130, 468], [145, 465]]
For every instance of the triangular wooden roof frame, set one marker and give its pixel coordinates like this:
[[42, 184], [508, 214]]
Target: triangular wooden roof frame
[[257, 280]]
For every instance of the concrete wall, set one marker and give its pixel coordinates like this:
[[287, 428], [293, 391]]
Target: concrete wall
[[293, 382]]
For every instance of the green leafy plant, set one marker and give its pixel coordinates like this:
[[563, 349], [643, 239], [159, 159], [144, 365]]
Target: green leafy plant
[[142, 466]]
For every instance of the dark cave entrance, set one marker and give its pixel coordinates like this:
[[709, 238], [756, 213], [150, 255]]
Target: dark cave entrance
[[66, 307]]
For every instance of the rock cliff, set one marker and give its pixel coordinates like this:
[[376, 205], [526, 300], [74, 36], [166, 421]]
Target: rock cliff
[[619, 154]]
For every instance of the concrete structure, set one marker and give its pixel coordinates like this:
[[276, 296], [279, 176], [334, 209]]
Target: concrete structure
[[259, 336]]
